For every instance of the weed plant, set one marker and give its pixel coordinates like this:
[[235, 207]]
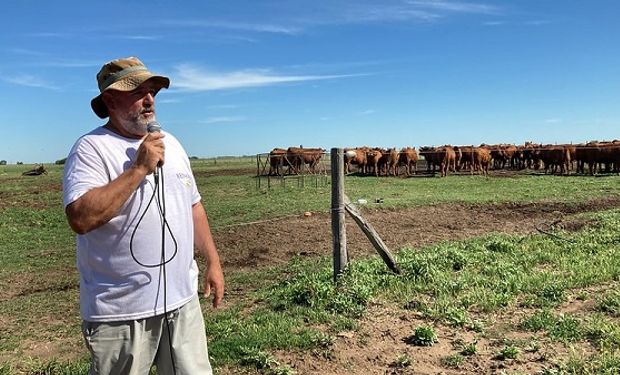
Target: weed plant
[[508, 352], [423, 336], [453, 361], [403, 361]]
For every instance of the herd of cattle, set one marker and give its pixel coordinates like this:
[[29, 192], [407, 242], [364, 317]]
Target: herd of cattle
[[596, 156]]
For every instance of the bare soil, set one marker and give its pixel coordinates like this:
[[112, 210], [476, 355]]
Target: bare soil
[[277, 241]]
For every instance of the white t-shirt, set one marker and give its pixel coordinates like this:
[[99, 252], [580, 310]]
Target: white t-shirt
[[113, 286]]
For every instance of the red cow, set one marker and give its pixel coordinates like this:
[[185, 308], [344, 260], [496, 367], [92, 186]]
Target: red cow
[[409, 158]]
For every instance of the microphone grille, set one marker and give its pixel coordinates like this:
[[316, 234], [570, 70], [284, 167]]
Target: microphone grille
[[153, 127]]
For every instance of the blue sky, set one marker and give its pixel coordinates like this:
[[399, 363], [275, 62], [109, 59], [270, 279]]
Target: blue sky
[[247, 76]]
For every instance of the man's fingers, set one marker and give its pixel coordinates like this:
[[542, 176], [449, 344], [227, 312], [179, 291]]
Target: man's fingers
[[219, 294], [207, 292]]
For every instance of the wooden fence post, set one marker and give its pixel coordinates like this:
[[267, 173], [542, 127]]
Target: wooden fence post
[[339, 234], [372, 236]]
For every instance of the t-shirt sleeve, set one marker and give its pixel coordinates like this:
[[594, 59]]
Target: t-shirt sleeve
[[84, 170]]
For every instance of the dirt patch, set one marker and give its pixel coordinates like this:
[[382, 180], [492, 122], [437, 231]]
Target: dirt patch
[[381, 342], [226, 172], [277, 241], [27, 197], [25, 283]]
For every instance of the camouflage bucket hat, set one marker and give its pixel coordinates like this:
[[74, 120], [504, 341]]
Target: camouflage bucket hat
[[123, 75]]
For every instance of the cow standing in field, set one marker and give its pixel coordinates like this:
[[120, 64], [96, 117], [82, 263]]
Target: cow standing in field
[[511, 153], [409, 158], [388, 164], [529, 155], [355, 156], [464, 158], [299, 157], [431, 158], [449, 159], [277, 161], [482, 159], [503, 155], [444, 157], [373, 156], [497, 155], [312, 157], [572, 150], [598, 155], [584, 154], [553, 157]]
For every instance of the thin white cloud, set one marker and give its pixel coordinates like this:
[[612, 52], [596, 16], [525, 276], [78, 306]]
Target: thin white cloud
[[344, 12], [367, 112], [553, 120], [361, 12], [48, 35], [168, 101], [223, 106], [194, 79], [388, 13], [140, 37], [455, 6], [26, 52], [30, 81], [224, 119], [494, 23], [537, 22], [56, 63], [239, 26]]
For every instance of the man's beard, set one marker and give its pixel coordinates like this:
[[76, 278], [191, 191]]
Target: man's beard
[[136, 122]]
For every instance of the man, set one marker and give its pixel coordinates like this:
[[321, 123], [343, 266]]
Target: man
[[131, 197]]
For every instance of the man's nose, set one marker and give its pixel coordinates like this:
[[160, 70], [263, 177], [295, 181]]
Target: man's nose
[[149, 98]]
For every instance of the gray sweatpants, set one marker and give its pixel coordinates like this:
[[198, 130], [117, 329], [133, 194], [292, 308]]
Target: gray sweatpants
[[132, 347]]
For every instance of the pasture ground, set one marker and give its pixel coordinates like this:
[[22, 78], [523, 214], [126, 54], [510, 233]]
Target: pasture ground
[[266, 243]]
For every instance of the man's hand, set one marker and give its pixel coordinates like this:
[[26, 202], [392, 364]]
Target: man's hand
[[150, 154], [214, 281], [203, 241]]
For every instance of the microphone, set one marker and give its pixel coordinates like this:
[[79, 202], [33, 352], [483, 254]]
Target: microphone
[[154, 127]]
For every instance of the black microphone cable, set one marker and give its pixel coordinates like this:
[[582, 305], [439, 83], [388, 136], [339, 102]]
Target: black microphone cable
[[159, 193]]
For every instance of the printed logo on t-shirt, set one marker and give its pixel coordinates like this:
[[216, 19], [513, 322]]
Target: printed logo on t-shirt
[[185, 179]]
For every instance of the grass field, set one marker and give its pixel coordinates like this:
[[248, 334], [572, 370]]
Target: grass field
[[498, 302]]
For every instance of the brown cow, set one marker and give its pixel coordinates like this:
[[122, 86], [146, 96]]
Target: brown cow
[[388, 164], [444, 157], [529, 155], [298, 157], [431, 157], [597, 154], [373, 156], [464, 158], [572, 150], [277, 160], [554, 156], [409, 158], [482, 159], [355, 156]]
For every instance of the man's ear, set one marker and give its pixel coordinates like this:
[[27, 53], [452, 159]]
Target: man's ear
[[108, 100]]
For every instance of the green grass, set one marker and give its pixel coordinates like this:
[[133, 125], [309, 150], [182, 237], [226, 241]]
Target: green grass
[[308, 295], [296, 306]]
